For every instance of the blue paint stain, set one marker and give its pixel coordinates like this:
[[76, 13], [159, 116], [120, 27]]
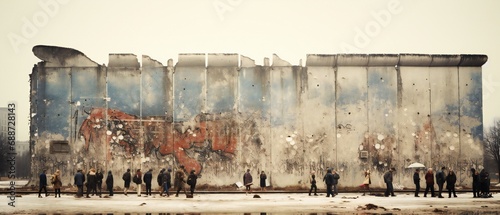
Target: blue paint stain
[[475, 99], [154, 92]]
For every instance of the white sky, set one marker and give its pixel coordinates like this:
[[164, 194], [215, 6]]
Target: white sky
[[254, 28]]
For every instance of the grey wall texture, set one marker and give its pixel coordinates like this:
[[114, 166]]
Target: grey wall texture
[[221, 114]]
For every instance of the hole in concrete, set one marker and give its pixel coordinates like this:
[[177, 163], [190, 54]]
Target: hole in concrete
[[413, 84], [418, 113], [349, 113], [252, 85], [466, 84], [183, 88]]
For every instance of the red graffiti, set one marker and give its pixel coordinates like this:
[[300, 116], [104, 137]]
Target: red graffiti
[[159, 136]]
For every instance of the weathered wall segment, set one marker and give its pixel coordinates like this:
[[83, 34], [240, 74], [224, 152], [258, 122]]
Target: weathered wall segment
[[221, 114]]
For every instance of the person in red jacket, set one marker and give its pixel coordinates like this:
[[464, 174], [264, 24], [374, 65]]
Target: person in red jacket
[[429, 181]]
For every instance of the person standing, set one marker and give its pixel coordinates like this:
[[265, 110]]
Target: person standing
[[429, 183], [138, 181], [79, 182], [313, 184], [159, 179], [109, 183], [451, 179], [329, 183], [99, 176], [388, 182], [191, 181], [179, 181], [43, 184], [484, 181], [336, 178], [126, 179], [475, 182], [91, 183], [167, 181], [416, 181], [148, 178], [440, 179], [247, 180], [366, 182], [263, 178], [56, 180]]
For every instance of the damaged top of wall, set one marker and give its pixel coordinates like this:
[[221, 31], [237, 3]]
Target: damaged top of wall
[[55, 56]]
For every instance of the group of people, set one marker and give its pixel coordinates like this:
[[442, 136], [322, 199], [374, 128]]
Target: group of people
[[331, 179], [480, 183], [164, 180], [248, 180], [94, 178], [92, 181], [55, 181]]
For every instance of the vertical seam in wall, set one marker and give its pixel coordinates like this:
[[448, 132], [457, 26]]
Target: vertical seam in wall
[[335, 71], [367, 106], [432, 141], [141, 128], [172, 129], [399, 102], [459, 119]]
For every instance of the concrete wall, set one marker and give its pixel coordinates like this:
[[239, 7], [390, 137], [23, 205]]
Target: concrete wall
[[221, 114]]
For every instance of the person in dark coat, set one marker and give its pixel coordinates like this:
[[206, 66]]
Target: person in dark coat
[[79, 182], [109, 183], [388, 182], [180, 180], [475, 182], [91, 183], [43, 184], [127, 177], [263, 178], [247, 180], [329, 183], [167, 181], [313, 184], [99, 176], [191, 181], [138, 181], [416, 181], [159, 179], [336, 178], [484, 181], [440, 179], [451, 179], [429, 183], [148, 178]]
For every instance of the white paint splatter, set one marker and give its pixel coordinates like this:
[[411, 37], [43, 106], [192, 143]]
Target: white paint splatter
[[377, 146], [380, 137], [338, 135], [361, 147], [108, 132]]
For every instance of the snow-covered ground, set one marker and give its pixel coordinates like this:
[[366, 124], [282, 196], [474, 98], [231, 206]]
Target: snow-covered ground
[[241, 203]]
